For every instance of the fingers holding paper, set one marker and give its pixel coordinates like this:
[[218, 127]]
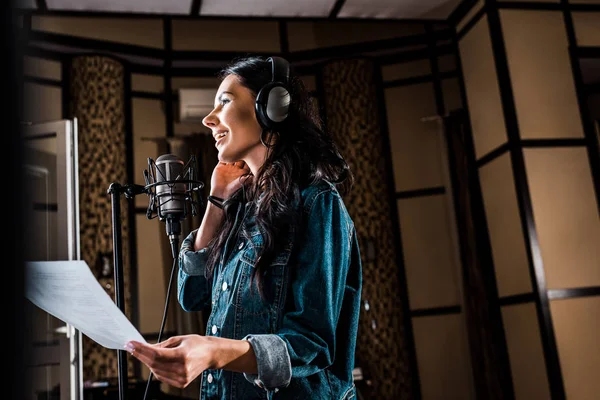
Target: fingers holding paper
[[178, 360]]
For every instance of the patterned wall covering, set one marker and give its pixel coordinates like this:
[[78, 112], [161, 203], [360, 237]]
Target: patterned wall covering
[[351, 109], [96, 94]]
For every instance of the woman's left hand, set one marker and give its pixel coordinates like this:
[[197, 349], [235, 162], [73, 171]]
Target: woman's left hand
[[178, 360]]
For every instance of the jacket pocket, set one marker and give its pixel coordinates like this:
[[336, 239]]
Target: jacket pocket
[[247, 297]]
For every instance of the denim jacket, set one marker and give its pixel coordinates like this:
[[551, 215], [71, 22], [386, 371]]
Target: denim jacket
[[304, 339]]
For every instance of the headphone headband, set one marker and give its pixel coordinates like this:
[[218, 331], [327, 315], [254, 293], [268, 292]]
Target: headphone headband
[[280, 70]]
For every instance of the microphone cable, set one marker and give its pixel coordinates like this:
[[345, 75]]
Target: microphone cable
[[164, 319]]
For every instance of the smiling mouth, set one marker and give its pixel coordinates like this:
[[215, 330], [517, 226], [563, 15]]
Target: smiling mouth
[[219, 139]]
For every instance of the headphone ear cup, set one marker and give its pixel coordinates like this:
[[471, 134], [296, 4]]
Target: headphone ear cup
[[272, 105], [278, 104]]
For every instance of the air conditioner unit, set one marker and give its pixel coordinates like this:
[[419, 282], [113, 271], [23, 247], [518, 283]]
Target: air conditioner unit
[[195, 104]]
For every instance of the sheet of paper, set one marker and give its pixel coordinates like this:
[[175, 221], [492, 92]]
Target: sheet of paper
[[69, 291]]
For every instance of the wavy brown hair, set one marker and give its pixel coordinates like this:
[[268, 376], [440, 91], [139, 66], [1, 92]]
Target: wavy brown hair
[[302, 154]]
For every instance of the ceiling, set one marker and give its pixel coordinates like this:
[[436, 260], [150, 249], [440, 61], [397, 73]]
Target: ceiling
[[340, 9]]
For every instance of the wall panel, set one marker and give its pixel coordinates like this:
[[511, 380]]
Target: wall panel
[[305, 35], [541, 75], [148, 122], [566, 215], [587, 28], [147, 83], [576, 325], [41, 103], [525, 351], [504, 224], [42, 68], [406, 70], [414, 144], [442, 355], [481, 84], [223, 35], [431, 273], [152, 291]]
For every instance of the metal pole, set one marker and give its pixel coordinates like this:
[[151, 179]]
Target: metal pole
[[115, 192]]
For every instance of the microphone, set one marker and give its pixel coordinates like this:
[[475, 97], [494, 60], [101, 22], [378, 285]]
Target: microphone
[[174, 185], [170, 195]]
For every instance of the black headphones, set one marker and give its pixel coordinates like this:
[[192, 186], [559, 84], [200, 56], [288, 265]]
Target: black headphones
[[273, 99]]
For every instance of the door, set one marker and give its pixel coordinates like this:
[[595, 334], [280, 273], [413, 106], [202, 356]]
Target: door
[[53, 348]]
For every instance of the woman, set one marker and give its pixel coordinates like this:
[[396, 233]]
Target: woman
[[276, 255]]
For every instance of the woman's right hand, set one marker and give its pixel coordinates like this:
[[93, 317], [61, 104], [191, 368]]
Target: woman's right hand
[[226, 178]]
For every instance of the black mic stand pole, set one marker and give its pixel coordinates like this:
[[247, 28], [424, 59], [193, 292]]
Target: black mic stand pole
[[115, 190]]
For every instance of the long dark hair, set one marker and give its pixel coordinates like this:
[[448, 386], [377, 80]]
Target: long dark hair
[[302, 154]]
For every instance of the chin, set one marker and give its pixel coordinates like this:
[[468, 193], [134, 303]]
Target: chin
[[224, 159], [227, 158]]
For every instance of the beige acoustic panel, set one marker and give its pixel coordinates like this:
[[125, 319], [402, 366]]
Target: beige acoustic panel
[[224, 35], [310, 82], [301, 36], [451, 91], [443, 357], [190, 83], [576, 327], [406, 70], [415, 144], [429, 255], [587, 28], [447, 63], [148, 122], [525, 351], [540, 71], [311, 35], [147, 83], [190, 128], [42, 68], [137, 31], [483, 94], [150, 270], [41, 103], [566, 215], [469, 16], [504, 224]]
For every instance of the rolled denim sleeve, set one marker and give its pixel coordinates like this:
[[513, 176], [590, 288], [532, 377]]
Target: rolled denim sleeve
[[272, 361], [306, 342], [193, 289]]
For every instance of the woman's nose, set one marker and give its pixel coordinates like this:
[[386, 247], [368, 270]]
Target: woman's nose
[[210, 120]]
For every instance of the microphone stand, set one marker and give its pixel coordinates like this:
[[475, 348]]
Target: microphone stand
[[116, 190], [173, 228]]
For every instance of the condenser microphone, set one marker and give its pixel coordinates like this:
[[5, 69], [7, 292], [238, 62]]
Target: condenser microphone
[[170, 195]]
